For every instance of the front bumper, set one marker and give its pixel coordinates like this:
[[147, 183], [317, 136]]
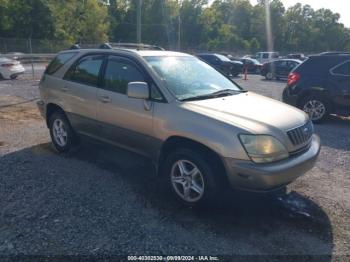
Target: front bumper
[[246, 175]]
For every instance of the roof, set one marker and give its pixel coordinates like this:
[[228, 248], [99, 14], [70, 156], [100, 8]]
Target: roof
[[207, 54], [159, 53], [143, 53], [288, 59]]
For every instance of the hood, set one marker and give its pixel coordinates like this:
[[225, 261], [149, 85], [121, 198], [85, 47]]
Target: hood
[[250, 111]]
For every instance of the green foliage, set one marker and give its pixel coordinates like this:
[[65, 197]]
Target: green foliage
[[226, 25]]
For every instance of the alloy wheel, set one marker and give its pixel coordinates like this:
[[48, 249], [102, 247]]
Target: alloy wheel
[[60, 132], [187, 180], [269, 76], [315, 109]]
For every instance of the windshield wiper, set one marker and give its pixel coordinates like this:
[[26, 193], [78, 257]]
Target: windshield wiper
[[227, 92], [220, 93]]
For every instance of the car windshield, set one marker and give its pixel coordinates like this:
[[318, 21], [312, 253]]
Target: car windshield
[[254, 61], [222, 57], [188, 77]]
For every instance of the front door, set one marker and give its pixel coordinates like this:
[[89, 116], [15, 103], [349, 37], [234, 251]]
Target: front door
[[124, 121]]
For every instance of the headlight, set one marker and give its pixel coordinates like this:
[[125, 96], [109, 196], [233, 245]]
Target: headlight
[[263, 148]]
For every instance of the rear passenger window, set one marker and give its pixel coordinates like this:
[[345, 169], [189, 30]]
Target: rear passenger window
[[342, 69], [120, 72], [86, 71], [58, 62]]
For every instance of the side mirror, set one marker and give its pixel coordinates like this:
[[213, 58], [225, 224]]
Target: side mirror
[[138, 90]]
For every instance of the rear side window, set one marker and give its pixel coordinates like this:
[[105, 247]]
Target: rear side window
[[58, 62], [120, 72], [342, 69], [86, 71], [318, 65]]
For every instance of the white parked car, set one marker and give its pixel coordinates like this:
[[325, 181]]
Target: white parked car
[[10, 69], [264, 57]]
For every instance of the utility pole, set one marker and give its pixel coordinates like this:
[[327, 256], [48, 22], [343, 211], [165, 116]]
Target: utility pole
[[179, 28], [138, 21], [179, 34]]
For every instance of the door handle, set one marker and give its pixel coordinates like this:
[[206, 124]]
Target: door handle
[[105, 99]]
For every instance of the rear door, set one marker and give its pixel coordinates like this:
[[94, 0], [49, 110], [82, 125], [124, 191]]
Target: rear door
[[125, 121], [80, 87], [341, 75], [282, 68]]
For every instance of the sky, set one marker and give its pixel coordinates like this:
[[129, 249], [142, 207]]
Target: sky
[[337, 6]]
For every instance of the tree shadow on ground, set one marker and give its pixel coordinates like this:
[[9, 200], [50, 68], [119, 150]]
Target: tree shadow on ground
[[126, 190]]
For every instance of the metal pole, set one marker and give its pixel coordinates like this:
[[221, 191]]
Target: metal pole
[[138, 21], [31, 55], [179, 34]]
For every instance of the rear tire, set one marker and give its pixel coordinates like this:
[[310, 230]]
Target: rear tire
[[191, 179], [62, 134], [317, 107], [235, 74]]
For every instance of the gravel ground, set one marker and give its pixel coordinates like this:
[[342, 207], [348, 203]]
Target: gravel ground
[[105, 201]]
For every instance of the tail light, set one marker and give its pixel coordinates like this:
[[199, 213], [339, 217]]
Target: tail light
[[7, 65], [293, 78]]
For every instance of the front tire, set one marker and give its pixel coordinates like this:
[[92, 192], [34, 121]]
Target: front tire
[[190, 177], [316, 107], [269, 76], [62, 134]]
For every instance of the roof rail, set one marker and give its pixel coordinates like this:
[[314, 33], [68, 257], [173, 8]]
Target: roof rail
[[118, 45], [134, 46], [105, 46], [334, 53]]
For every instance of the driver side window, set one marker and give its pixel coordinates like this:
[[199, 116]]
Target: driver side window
[[120, 72]]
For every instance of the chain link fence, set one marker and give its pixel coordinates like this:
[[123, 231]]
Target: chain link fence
[[35, 54]]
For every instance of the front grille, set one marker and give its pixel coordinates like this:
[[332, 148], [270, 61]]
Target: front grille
[[302, 134]]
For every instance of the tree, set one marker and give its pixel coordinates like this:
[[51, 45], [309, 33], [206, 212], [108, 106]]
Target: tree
[[31, 18], [84, 21]]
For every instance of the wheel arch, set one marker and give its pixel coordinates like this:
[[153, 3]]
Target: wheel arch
[[174, 142], [52, 108], [316, 91]]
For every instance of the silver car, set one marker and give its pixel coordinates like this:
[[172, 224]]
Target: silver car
[[201, 130]]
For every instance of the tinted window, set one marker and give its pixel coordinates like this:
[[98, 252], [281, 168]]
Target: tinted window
[[211, 59], [343, 69], [292, 64], [58, 62], [265, 56], [86, 71], [120, 72], [282, 63]]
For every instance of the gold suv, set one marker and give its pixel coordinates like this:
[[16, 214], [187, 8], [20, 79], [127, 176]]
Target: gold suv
[[201, 130]]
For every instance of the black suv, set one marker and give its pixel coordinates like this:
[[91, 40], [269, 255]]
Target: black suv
[[321, 86], [222, 63]]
